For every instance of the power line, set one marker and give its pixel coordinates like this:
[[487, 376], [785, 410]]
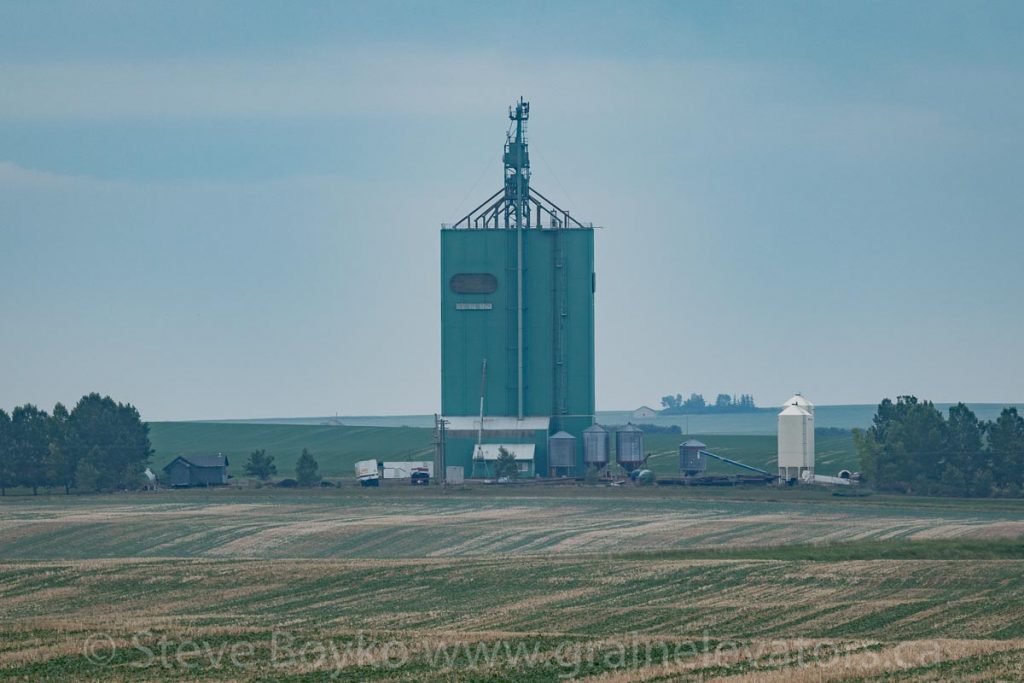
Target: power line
[[487, 165], [557, 181]]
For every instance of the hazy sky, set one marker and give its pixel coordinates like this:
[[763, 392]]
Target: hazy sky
[[231, 209]]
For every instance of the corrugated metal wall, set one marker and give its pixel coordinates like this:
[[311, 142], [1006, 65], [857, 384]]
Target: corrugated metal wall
[[558, 349]]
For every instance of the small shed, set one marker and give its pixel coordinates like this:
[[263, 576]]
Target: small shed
[[197, 470], [455, 475]]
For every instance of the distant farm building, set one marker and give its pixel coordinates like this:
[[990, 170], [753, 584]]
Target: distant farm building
[[644, 412], [526, 439], [197, 470]]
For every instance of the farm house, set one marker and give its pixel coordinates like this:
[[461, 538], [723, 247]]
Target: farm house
[[197, 470]]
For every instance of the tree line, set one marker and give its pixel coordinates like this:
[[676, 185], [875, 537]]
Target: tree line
[[696, 403], [912, 447], [99, 445]]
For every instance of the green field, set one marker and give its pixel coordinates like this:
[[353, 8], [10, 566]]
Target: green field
[[510, 584], [337, 448]]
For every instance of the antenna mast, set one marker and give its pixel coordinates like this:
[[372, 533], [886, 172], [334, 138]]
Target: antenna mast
[[517, 166], [517, 195]]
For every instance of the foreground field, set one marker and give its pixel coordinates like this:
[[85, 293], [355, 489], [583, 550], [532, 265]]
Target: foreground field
[[617, 585], [411, 522]]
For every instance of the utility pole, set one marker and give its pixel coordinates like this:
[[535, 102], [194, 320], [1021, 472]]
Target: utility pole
[[478, 455], [440, 442]]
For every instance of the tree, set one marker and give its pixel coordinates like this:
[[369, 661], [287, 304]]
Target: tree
[[981, 483], [62, 460], [868, 454], [30, 431], [954, 481], [695, 403], [307, 471], [118, 435], [505, 465], [906, 446], [260, 465], [911, 446], [87, 477], [672, 402], [723, 402], [6, 453], [963, 449], [1006, 445]]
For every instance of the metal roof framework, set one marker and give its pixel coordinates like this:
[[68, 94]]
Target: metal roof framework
[[498, 211]]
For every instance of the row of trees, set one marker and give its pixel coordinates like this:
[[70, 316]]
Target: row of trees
[[261, 466], [98, 445], [724, 403], [912, 447]]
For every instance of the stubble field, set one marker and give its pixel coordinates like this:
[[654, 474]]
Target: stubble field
[[487, 585]]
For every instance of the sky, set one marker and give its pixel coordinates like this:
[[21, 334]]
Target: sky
[[231, 209]]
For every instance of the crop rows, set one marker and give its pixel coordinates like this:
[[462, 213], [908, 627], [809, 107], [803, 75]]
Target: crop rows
[[51, 608], [356, 525], [527, 586]]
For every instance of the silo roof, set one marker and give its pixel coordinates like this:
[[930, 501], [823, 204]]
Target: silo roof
[[562, 435], [693, 443], [794, 410], [799, 400], [595, 428]]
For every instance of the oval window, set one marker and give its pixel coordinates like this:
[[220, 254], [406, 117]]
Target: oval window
[[473, 283]]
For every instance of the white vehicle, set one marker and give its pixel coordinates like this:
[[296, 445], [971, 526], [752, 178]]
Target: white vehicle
[[367, 473], [404, 470]]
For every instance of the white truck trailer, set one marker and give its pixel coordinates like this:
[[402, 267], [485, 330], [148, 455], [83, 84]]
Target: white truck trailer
[[368, 473]]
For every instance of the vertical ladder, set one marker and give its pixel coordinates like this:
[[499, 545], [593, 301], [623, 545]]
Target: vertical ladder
[[559, 312]]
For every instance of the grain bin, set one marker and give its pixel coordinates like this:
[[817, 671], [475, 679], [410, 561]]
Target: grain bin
[[796, 443], [562, 451], [692, 460], [629, 447], [597, 446]]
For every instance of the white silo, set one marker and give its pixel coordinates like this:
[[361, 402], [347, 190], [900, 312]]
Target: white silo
[[796, 443]]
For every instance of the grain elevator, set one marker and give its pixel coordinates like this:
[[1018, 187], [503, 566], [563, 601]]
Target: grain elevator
[[517, 327]]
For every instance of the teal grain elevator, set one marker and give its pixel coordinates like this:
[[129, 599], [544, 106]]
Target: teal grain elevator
[[517, 327]]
